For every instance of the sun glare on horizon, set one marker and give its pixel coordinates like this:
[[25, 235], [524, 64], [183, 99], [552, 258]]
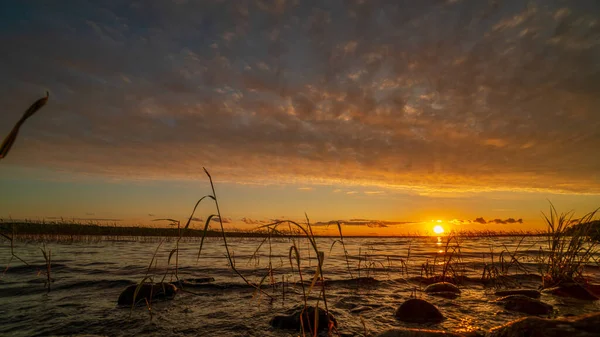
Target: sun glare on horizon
[[438, 229]]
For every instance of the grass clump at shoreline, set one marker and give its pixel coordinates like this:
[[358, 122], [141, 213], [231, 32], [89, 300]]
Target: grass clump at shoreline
[[570, 247]]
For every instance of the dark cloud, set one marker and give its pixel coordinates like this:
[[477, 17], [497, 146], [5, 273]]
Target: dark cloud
[[94, 219], [507, 221], [433, 94], [498, 221], [459, 222], [362, 222], [82, 219], [224, 220], [249, 221]]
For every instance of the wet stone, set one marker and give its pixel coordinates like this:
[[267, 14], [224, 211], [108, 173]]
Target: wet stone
[[524, 304], [572, 290], [594, 288], [442, 287], [304, 317], [578, 326], [417, 310], [349, 302], [358, 281], [360, 309], [525, 292], [191, 282], [148, 292], [445, 294], [417, 333]]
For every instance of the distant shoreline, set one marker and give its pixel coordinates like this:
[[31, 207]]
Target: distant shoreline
[[78, 229]]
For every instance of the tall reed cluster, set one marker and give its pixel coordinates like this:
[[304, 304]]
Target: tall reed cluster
[[570, 247]]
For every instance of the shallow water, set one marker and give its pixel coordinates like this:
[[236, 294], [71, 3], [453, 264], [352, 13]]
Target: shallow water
[[90, 276]]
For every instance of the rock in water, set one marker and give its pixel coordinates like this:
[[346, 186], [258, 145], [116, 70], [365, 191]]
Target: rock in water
[[193, 282], [526, 292], [578, 326], [305, 317], [445, 294], [524, 304], [147, 291], [593, 288], [417, 310], [359, 281], [442, 287], [572, 290], [417, 333]]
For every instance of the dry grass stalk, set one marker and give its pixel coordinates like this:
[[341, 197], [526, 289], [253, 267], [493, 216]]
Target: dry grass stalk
[[12, 136]]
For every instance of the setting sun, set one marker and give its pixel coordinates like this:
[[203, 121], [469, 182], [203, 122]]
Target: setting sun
[[438, 229]]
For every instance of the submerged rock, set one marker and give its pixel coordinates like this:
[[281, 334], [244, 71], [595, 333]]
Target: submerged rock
[[593, 288], [148, 292], [358, 281], [417, 333], [418, 311], [455, 279], [445, 294], [360, 309], [349, 302], [524, 304], [442, 287], [525, 292], [191, 282], [578, 326], [572, 290], [304, 317]]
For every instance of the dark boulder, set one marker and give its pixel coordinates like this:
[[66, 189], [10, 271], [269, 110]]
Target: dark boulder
[[593, 288], [417, 310], [442, 287], [524, 304], [572, 290], [577, 326], [305, 317], [147, 291], [417, 333], [525, 292], [589, 322]]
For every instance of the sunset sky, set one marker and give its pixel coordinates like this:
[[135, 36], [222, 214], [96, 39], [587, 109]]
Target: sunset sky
[[384, 115]]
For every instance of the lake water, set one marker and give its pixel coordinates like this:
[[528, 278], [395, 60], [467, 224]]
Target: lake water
[[89, 276]]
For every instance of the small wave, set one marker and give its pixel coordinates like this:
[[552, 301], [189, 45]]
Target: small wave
[[100, 284], [92, 264], [37, 286], [23, 290], [34, 268]]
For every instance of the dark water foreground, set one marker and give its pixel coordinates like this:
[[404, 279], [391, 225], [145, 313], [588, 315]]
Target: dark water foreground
[[90, 277]]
